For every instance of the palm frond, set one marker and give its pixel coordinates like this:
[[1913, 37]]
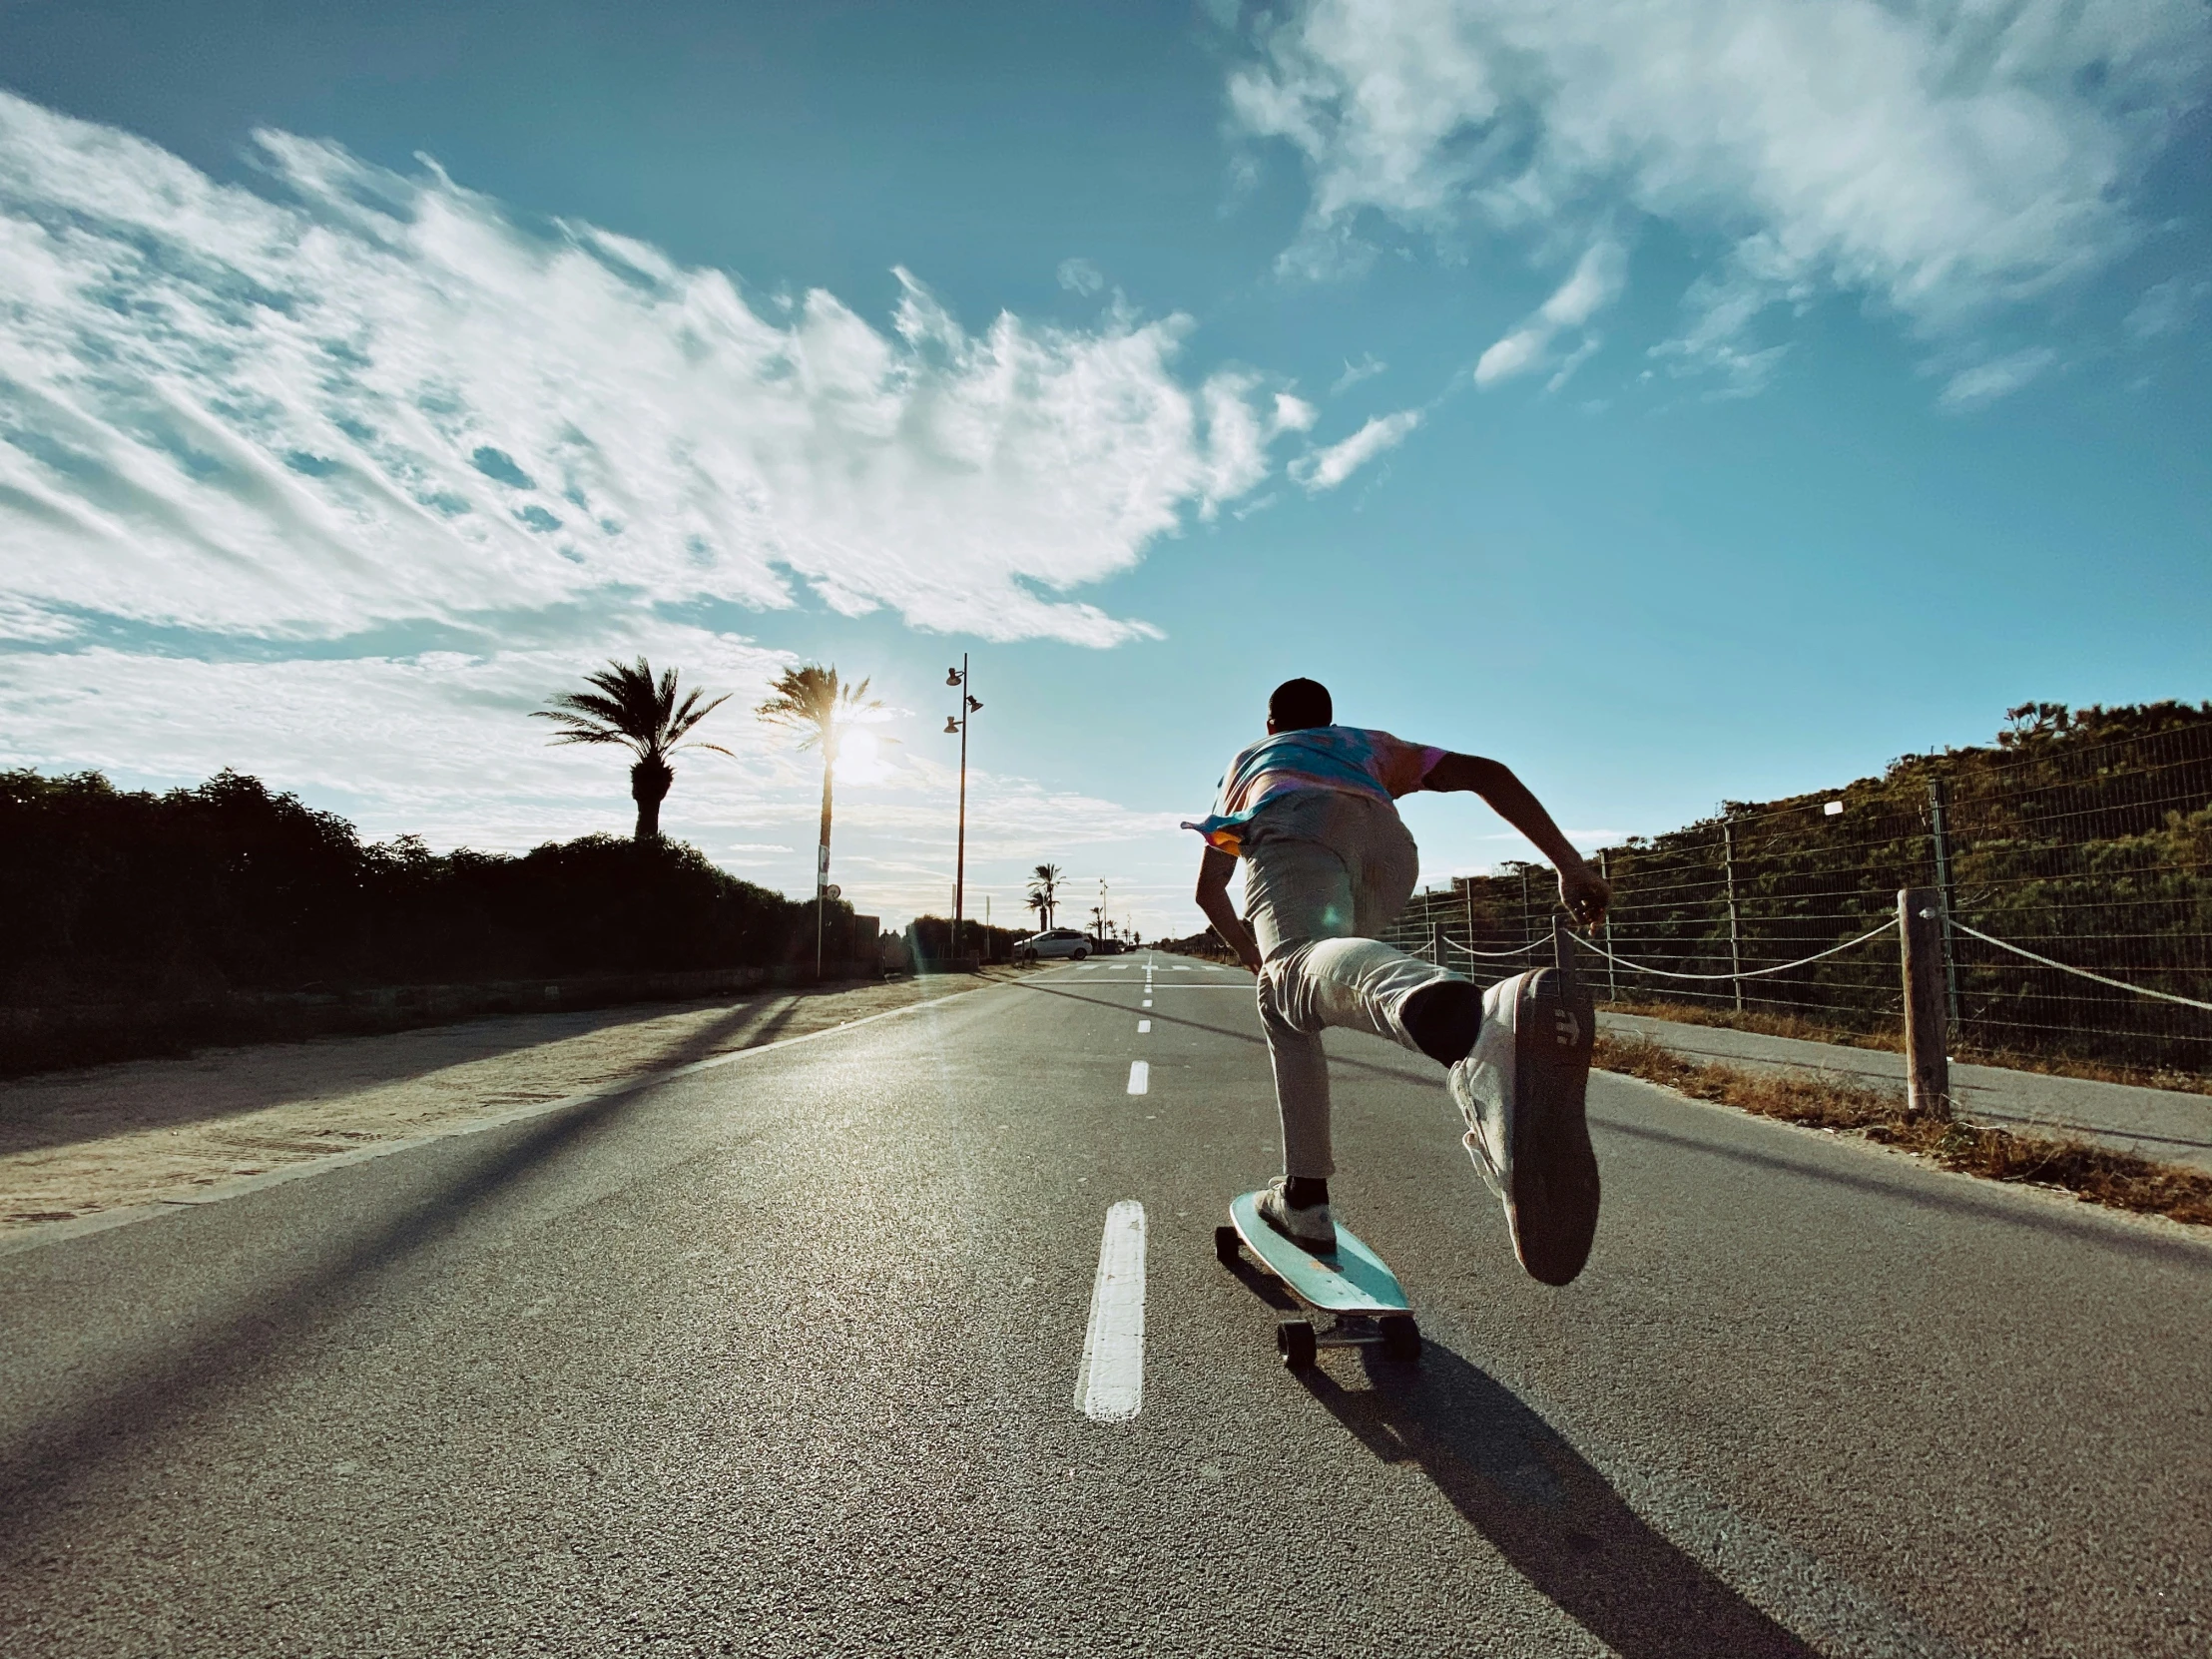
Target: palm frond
[[630, 705]]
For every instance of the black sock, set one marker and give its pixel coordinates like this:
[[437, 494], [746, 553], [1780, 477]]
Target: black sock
[[1303, 1192], [1444, 1018]]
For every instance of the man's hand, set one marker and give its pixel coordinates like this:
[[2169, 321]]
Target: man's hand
[[1584, 892], [1212, 898]]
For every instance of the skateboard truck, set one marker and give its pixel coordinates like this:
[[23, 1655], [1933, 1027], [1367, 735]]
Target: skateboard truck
[[1359, 1299]]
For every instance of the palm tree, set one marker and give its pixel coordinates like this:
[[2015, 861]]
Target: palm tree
[[813, 702], [1044, 890], [630, 706]]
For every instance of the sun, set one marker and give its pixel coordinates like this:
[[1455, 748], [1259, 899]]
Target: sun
[[860, 758]]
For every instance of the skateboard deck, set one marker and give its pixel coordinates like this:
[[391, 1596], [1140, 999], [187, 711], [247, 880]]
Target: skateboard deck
[[1352, 1282]]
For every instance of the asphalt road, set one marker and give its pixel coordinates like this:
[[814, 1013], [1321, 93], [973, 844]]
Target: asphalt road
[[780, 1358]]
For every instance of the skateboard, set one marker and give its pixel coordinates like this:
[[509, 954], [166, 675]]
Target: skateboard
[[1366, 1304]]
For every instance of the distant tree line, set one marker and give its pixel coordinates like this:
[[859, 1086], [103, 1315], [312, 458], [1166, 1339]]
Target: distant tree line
[[118, 895], [932, 937]]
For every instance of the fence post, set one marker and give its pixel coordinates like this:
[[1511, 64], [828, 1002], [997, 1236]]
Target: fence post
[[1437, 939], [1734, 937], [1939, 839], [1926, 1056], [1527, 927], [1612, 976]]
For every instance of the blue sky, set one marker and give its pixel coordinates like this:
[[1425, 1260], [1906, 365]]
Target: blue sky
[[1679, 403]]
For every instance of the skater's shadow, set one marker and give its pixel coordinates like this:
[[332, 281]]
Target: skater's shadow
[[1519, 1483]]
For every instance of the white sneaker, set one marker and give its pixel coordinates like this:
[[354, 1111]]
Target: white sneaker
[[1521, 1092], [1313, 1226]]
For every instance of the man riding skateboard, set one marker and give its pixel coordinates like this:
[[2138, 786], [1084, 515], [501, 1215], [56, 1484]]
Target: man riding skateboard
[[1311, 809]]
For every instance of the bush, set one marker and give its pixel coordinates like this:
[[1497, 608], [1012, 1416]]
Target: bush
[[115, 895]]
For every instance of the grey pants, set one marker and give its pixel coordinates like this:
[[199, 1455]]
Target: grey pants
[[1324, 873]]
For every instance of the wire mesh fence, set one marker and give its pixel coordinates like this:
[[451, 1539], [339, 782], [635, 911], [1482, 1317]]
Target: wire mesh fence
[[2087, 843]]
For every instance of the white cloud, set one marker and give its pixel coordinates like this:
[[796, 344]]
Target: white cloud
[[1984, 383], [442, 745], [1596, 283], [1366, 368], [1080, 276], [363, 396], [1944, 159], [1324, 469], [2165, 306]]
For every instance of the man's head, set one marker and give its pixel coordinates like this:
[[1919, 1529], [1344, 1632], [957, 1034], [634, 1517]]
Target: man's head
[[1297, 704]]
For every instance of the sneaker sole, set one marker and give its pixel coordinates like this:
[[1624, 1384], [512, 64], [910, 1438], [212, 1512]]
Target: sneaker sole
[[1551, 1202]]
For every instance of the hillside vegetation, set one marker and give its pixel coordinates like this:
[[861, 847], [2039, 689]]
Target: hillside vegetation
[[2084, 835]]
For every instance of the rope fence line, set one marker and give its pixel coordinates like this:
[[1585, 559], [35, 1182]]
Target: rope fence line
[[2063, 967], [1426, 953], [1746, 973], [1493, 955]]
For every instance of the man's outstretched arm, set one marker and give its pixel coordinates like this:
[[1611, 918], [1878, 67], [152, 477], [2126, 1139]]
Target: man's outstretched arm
[[1581, 889], [1213, 898]]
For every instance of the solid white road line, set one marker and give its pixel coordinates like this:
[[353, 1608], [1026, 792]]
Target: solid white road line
[[1110, 1386], [1143, 1025], [1140, 1077]]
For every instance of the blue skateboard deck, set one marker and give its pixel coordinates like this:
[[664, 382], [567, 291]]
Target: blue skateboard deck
[[1351, 1283]]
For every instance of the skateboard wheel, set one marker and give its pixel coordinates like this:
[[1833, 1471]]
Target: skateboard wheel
[[1293, 1340], [1226, 1246], [1401, 1338]]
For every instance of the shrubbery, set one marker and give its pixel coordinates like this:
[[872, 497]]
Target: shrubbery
[[119, 896]]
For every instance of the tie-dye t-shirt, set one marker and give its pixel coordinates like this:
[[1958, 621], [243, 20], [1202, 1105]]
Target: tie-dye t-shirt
[[1341, 758]]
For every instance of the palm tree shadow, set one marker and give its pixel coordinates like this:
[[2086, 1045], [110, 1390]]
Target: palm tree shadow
[[1556, 1519]]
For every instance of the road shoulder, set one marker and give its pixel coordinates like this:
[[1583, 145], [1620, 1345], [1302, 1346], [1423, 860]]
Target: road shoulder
[[82, 1150]]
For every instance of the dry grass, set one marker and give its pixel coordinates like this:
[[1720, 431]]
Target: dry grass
[[1888, 1037], [2097, 1175]]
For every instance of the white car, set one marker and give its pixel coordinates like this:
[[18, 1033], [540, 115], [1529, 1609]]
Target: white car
[[1054, 942]]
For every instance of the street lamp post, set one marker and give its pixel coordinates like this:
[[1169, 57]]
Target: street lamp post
[[958, 723]]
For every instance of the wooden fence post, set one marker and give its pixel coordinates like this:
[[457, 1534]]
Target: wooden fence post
[[1612, 976], [1735, 929], [1927, 1030], [1437, 941]]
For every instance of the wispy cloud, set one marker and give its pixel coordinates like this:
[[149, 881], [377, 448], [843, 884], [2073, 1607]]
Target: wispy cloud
[[1366, 368], [1324, 469], [1081, 276], [1984, 383], [336, 478], [355, 396], [1942, 159], [1596, 283], [2165, 308]]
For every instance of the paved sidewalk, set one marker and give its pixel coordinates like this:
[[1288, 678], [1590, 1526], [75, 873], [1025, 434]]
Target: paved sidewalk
[[2168, 1124], [75, 1144]]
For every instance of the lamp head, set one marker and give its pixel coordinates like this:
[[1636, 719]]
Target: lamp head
[[952, 727], [952, 677], [974, 706]]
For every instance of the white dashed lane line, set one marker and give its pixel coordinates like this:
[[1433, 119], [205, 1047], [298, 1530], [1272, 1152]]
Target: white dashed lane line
[[1143, 1026], [1140, 1077], [1109, 1388]]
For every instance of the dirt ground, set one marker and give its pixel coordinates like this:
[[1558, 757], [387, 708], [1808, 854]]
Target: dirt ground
[[76, 1143]]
